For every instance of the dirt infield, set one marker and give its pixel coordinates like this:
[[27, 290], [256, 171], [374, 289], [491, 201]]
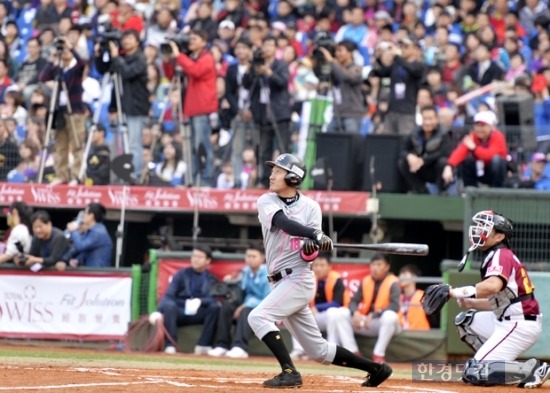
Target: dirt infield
[[61, 370]]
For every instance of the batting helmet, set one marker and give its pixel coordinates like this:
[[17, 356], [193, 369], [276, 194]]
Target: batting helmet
[[293, 165]]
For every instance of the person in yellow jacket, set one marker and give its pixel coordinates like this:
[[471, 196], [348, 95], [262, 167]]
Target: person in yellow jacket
[[330, 295], [373, 309], [413, 315]]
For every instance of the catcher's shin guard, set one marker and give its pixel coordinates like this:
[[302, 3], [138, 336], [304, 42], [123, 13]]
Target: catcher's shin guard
[[463, 320], [497, 372]]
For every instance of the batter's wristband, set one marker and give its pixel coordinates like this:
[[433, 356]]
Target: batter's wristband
[[309, 258]]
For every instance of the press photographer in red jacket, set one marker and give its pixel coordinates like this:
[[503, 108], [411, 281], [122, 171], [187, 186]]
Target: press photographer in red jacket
[[200, 95]]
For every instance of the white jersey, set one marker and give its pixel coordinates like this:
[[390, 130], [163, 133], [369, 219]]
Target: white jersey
[[282, 249]]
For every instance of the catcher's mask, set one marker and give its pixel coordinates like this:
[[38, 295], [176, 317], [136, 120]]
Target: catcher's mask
[[483, 223]]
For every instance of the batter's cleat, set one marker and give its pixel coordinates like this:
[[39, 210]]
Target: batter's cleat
[[540, 375], [375, 379], [289, 378]]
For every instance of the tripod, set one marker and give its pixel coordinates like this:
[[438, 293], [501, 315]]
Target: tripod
[[177, 84], [59, 83], [95, 121]]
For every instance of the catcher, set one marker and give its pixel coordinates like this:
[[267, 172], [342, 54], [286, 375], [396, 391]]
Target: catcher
[[503, 318]]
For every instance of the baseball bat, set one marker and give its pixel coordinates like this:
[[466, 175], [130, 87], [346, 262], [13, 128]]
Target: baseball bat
[[390, 248]]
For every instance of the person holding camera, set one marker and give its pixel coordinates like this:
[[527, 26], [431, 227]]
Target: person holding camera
[[69, 115], [18, 217], [201, 99], [403, 66], [267, 81], [252, 281], [189, 301], [49, 246], [91, 243], [347, 82], [130, 65]]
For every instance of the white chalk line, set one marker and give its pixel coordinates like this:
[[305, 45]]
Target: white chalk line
[[202, 382]]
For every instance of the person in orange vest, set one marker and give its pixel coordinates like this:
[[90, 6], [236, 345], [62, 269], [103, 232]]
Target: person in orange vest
[[413, 315], [330, 295], [373, 309]]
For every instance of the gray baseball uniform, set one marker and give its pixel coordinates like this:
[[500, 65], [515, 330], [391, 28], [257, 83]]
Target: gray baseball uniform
[[289, 298]]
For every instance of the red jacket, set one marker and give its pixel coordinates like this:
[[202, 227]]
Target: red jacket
[[200, 95], [485, 151]]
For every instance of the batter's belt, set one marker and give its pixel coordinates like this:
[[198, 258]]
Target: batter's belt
[[278, 276]]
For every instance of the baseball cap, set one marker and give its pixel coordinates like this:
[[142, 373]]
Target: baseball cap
[[538, 157], [486, 117], [227, 24], [278, 25]]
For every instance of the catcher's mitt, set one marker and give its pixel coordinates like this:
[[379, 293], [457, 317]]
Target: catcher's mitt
[[435, 297]]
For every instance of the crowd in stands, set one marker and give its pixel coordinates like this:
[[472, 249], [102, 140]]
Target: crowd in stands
[[382, 306], [204, 90]]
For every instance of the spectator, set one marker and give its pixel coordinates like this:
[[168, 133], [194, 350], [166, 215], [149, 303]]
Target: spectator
[[50, 12], [27, 78], [481, 154], [164, 26], [537, 174], [226, 179], [5, 80], [135, 105], [405, 73], [29, 164], [18, 217], [98, 164], [49, 246], [252, 281], [267, 81], [9, 155], [126, 18], [425, 154], [188, 301], [347, 81], [171, 170], [200, 97], [329, 303], [413, 315], [14, 107], [453, 69], [374, 308], [484, 70], [237, 96], [69, 126], [91, 243], [204, 21], [355, 30]]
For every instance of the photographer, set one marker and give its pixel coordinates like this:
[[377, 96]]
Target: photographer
[[267, 82], [347, 82], [92, 244], [65, 60], [18, 217], [200, 96], [130, 65], [49, 245]]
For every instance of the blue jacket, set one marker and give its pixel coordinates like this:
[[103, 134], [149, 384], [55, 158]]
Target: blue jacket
[[254, 286], [93, 247]]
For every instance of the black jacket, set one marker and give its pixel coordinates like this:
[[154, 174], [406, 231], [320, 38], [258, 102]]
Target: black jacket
[[134, 95], [494, 72], [232, 89], [431, 150], [53, 250], [279, 97], [98, 165]]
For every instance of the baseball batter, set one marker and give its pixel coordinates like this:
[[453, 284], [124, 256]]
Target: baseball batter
[[291, 226], [508, 320]]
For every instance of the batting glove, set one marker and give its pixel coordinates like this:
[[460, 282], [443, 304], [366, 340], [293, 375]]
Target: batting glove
[[324, 242], [310, 247]]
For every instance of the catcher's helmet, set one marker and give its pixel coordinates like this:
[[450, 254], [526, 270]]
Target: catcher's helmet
[[483, 223], [293, 165]]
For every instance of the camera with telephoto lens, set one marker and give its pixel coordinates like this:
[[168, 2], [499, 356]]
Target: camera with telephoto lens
[[107, 33], [182, 42], [321, 67], [258, 58], [59, 43], [21, 253]]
